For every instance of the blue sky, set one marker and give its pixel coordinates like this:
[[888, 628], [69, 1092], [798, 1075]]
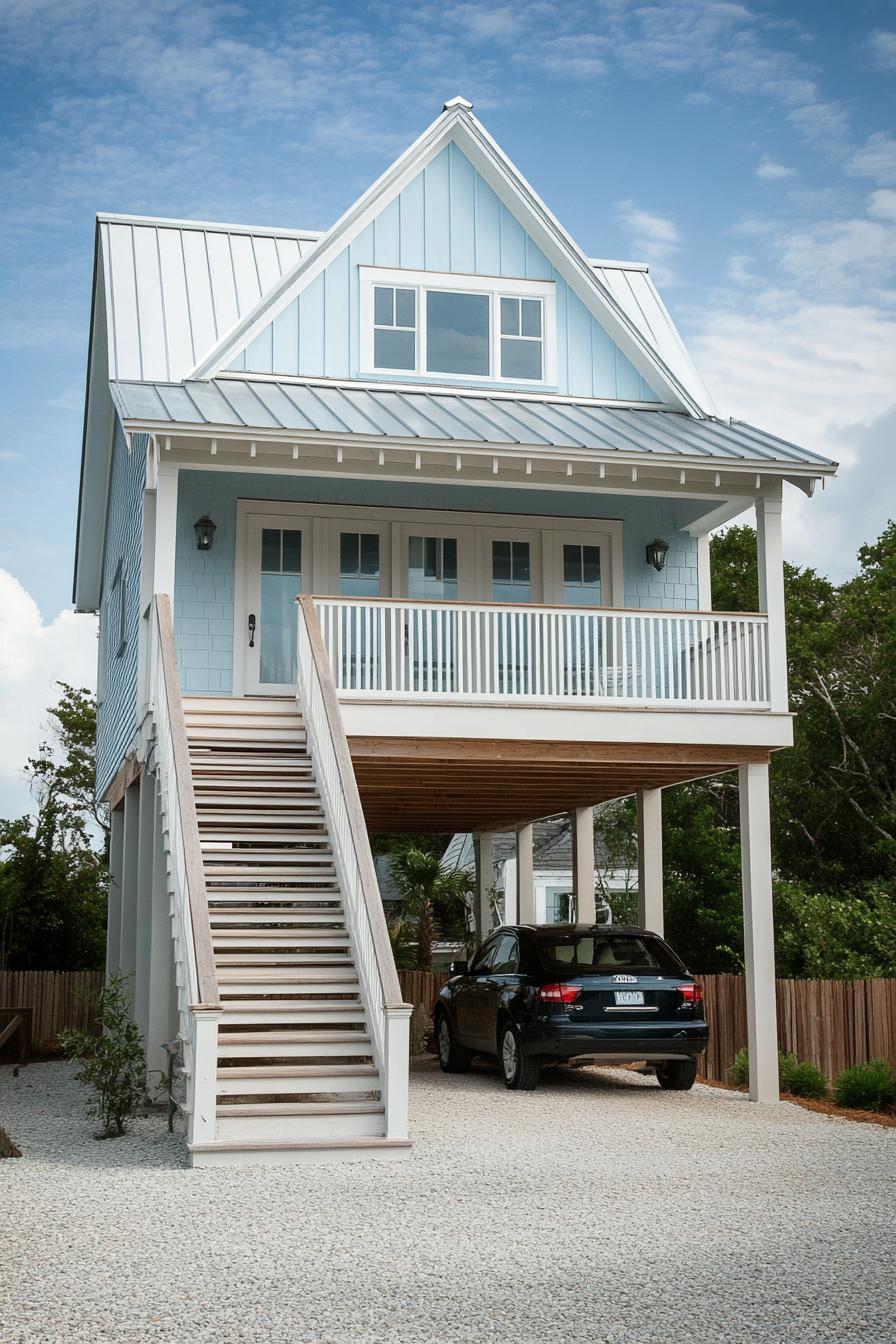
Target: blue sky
[[746, 151]]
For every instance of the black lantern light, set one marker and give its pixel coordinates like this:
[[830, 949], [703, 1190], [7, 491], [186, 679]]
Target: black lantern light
[[657, 552], [205, 532]]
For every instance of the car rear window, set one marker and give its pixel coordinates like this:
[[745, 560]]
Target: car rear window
[[603, 954]]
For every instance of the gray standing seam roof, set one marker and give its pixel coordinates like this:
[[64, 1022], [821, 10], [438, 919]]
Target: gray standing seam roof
[[470, 418]]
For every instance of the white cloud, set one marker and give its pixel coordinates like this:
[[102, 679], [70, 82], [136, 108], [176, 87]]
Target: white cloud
[[769, 170], [876, 158], [652, 238], [882, 204], [882, 48], [33, 657]]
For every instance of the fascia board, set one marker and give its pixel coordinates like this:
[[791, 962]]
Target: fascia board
[[96, 449], [343, 232], [642, 462], [531, 212]]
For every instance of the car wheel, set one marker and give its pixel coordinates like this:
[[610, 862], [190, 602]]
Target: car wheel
[[453, 1058], [520, 1072], [677, 1075]]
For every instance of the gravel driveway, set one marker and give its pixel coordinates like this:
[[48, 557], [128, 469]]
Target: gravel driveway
[[598, 1208]]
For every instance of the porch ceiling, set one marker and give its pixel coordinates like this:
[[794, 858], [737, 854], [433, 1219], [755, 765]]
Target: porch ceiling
[[439, 784]]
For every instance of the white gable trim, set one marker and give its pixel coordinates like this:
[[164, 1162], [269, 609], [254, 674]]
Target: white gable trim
[[459, 125]]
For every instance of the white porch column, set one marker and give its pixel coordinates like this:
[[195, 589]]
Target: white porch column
[[127, 952], [582, 824], [525, 875], [485, 874], [165, 530], [770, 557], [159, 1024], [759, 942], [650, 860], [146, 825], [113, 920]]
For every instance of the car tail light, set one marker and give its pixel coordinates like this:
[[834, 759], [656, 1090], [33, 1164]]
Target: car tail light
[[691, 993], [559, 993]]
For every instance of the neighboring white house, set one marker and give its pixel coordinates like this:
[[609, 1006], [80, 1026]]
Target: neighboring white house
[[487, 468], [553, 872]]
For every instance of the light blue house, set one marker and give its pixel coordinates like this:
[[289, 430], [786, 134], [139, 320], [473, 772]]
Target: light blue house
[[487, 467]]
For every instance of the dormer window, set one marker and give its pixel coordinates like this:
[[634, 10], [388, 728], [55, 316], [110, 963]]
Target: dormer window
[[457, 327]]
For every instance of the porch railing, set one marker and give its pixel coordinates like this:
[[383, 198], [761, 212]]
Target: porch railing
[[489, 653]]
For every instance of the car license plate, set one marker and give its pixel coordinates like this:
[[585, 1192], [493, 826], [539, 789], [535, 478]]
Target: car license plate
[[629, 998]]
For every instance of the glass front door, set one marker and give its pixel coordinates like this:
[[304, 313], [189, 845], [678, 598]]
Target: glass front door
[[276, 553]]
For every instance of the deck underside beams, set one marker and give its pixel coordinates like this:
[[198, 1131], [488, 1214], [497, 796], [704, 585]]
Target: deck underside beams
[[460, 784]]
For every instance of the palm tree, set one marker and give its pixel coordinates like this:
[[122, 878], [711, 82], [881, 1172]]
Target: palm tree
[[423, 885]]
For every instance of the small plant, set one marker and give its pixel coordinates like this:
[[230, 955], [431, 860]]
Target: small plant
[[866, 1087], [799, 1079], [112, 1063], [420, 1029]]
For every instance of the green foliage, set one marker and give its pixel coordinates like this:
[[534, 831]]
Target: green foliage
[[798, 1079], [113, 1063], [867, 1087], [801, 1079], [53, 880], [401, 936], [823, 936], [432, 898]]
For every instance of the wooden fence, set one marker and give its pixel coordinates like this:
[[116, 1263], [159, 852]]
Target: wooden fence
[[57, 999], [832, 1023]]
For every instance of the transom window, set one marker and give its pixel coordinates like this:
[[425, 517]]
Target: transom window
[[457, 326]]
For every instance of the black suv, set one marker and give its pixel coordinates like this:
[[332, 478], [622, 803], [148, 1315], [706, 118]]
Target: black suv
[[572, 991]]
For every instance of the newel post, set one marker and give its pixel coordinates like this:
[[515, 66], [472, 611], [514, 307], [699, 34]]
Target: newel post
[[770, 557], [395, 1093], [204, 1080]]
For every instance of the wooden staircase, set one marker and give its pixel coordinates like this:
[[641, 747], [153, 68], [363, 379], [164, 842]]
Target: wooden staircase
[[296, 1076]]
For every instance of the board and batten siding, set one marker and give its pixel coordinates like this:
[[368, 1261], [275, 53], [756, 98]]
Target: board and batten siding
[[205, 581], [117, 682], [446, 219]]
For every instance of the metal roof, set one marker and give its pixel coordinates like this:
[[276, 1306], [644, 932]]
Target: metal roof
[[173, 289], [436, 417]]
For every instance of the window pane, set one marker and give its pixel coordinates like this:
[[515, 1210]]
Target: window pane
[[370, 553], [501, 561], [270, 550], [520, 359], [510, 317], [520, 572], [292, 552], [531, 317], [430, 558], [457, 333], [382, 305], [591, 564], [405, 308], [394, 350], [349, 547], [572, 564], [278, 629], [449, 558]]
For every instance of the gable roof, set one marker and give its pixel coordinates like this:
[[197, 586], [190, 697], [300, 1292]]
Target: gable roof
[[591, 284], [172, 288], [551, 849]]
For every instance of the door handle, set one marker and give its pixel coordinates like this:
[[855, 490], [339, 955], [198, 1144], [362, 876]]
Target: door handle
[[252, 631]]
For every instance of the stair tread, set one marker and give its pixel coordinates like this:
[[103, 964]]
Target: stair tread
[[295, 1145], [297, 1071], [226, 1109], [292, 1037]]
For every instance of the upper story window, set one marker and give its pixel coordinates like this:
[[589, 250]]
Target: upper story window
[[457, 326]]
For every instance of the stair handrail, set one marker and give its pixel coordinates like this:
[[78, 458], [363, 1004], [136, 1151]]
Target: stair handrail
[[169, 708], [373, 904]]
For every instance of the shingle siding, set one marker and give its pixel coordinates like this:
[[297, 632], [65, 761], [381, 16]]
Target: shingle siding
[[118, 664]]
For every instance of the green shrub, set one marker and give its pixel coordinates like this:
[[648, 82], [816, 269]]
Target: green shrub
[[801, 1079], [796, 1078], [866, 1087], [113, 1063]]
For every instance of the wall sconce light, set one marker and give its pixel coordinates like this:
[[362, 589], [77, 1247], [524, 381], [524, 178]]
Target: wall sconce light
[[205, 531], [657, 552]]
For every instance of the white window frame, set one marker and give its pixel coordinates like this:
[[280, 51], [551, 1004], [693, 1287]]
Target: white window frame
[[495, 287]]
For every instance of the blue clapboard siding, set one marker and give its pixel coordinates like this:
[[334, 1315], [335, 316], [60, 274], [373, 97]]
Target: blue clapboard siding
[[117, 699], [447, 219], [204, 581]]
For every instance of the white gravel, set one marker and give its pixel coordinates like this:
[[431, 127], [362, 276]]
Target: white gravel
[[598, 1208]]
